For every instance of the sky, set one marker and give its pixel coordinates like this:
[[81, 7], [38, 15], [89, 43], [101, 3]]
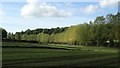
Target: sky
[[31, 14]]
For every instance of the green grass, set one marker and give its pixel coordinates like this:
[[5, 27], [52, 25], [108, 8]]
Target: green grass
[[72, 56]]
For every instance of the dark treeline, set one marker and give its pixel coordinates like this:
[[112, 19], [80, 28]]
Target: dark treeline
[[45, 31], [103, 31]]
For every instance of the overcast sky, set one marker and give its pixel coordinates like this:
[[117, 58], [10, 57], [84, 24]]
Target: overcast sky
[[18, 16]]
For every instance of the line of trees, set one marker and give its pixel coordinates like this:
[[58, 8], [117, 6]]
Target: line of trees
[[103, 31]]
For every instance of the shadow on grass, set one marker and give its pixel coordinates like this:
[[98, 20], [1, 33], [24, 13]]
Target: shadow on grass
[[42, 47]]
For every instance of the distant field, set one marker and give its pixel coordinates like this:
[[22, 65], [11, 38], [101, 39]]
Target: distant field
[[57, 55]]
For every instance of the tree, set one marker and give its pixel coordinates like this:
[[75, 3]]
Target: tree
[[28, 31], [113, 22], [83, 34], [3, 33], [99, 22], [10, 36], [43, 38], [101, 32], [17, 36], [24, 37]]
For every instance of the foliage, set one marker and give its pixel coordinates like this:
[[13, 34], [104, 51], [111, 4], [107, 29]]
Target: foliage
[[3, 33], [103, 31]]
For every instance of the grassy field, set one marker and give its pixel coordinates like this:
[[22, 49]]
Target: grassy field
[[32, 54]]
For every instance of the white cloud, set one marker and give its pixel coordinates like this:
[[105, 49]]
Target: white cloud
[[101, 4], [108, 3], [89, 9], [37, 9]]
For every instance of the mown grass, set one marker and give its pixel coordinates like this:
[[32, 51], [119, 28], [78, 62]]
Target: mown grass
[[69, 56]]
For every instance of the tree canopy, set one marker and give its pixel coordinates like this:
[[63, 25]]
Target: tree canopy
[[103, 31], [3, 33]]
